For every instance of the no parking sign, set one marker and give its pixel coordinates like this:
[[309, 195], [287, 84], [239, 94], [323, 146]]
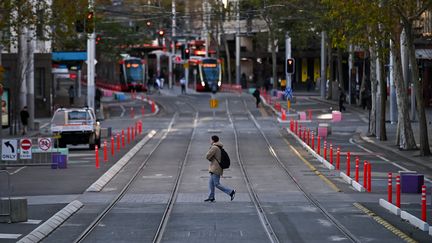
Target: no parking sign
[[25, 151]]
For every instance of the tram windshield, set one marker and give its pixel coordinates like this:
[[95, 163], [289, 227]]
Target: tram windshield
[[134, 70], [210, 70]]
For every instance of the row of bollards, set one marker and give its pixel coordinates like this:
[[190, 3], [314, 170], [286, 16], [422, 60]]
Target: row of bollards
[[132, 133], [309, 138]]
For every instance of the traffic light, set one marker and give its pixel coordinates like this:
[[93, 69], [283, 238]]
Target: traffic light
[[161, 33], [89, 23], [186, 53], [290, 66]]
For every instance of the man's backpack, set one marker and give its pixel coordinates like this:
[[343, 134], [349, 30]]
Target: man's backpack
[[225, 159]]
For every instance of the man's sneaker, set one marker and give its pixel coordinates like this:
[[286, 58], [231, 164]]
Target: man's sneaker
[[209, 200], [232, 194]]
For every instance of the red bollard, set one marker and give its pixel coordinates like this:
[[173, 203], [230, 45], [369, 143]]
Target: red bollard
[[128, 135], [97, 156], [325, 150], [348, 169], [133, 133], [132, 112], [153, 107], [331, 153], [365, 174], [313, 141], [118, 142], [338, 158], [123, 138], [140, 127], [291, 125], [296, 126], [142, 110], [308, 137], [389, 188], [105, 151], [319, 145], [398, 191], [112, 146], [356, 169], [304, 134], [423, 203], [369, 172], [283, 116]]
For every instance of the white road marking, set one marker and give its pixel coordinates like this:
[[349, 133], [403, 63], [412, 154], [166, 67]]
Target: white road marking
[[383, 158], [9, 236], [18, 170]]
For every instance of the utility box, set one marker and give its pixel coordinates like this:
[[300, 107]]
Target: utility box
[[13, 210], [411, 181]]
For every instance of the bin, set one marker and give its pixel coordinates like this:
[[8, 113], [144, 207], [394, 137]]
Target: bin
[[411, 182], [59, 161]]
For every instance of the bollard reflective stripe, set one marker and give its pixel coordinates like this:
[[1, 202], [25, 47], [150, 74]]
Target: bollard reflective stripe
[[325, 150], [356, 169], [423, 203], [348, 164], [338, 158], [365, 174], [398, 195], [389, 188], [97, 156], [331, 153]]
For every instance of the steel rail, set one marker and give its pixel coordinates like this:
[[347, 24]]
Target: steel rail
[[174, 193], [259, 208], [119, 196], [308, 196]]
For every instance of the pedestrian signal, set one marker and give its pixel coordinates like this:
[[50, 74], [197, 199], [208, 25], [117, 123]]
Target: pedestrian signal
[[290, 66]]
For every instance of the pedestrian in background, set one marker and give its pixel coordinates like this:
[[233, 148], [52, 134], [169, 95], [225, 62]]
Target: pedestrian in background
[[183, 85], [24, 119], [257, 96], [71, 93], [214, 156]]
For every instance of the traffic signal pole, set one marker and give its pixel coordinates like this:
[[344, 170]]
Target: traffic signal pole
[[173, 34], [287, 56], [323, 64], [91, 63], [238, 71]]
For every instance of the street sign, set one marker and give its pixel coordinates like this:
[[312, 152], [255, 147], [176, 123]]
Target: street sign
[[44, 143], [214, 103], [25, 151], [288, 93], [9, 149]]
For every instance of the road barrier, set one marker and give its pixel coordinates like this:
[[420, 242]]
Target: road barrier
[[398, 192], [365, 174], [389, 188], [97, 156], [325, 149], [153, 107], [118, 142], [338, 158], [348, 164], [423, 203], [318, 145], [123, 138], [357, 169], [313, 141], [331, 153], [112, 146], [105, 151]]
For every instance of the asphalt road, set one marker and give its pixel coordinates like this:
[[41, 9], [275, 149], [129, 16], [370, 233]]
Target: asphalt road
[[293, 216]]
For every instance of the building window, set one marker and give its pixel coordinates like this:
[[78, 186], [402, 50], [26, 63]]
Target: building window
[[39, 82]]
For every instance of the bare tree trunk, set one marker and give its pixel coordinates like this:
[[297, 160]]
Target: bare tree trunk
[[373, 79], [274, 60], [418, 88], [406, 136], [383, 98]]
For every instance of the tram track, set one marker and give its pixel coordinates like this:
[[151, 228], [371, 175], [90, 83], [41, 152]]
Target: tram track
[[124, 191], [254, 196]]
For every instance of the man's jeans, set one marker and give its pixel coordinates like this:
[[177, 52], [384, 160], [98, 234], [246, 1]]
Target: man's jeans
[[214, 182]]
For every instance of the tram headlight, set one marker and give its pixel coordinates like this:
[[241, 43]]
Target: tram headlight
[[202, 84]]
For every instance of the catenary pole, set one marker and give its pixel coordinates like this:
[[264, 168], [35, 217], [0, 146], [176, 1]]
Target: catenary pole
[[91, 63], [238, 68]]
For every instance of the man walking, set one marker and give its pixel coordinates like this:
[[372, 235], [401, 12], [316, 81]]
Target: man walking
[[183, 85], [257, 96], [215, 170], [71, 93], [24, 114]]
